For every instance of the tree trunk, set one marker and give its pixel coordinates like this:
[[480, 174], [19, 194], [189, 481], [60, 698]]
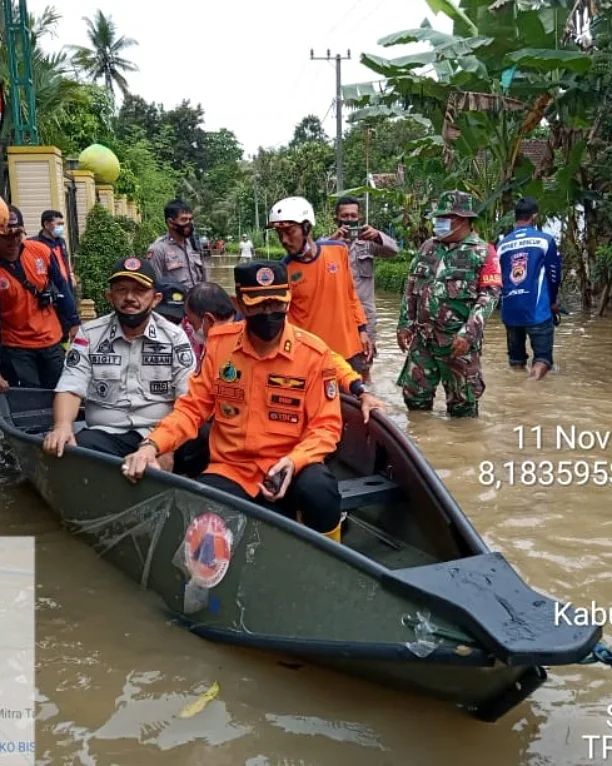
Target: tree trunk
[[605, 297]]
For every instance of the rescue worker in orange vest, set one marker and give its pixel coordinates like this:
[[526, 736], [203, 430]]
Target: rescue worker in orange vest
[[323, 296], [33, 298], [51, 234], [208, 305], [273, 392]]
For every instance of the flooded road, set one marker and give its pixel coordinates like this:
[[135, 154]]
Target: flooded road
[[113, 672]]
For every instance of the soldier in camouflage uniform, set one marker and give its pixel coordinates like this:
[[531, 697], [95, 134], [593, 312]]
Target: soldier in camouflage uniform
[[452, 288]]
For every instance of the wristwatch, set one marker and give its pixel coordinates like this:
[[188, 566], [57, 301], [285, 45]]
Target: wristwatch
[[149, 443]]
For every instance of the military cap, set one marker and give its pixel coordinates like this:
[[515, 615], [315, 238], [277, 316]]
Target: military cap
[[138, 269], [456, 203], [260, 281], [172, 304]]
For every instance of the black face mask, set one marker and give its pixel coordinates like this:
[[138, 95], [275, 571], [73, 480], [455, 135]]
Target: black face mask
[[266, 326], [185, 230], [132, 320]]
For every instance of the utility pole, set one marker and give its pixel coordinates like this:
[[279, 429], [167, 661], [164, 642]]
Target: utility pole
[[368, 133], [256, 202], [339, 59]]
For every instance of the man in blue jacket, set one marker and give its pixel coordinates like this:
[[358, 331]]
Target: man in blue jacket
[[531, 274]]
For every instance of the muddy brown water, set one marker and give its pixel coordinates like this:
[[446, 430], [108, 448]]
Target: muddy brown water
[[113, 672]]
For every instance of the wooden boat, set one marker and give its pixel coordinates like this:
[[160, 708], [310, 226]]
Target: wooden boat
[[412, 598]]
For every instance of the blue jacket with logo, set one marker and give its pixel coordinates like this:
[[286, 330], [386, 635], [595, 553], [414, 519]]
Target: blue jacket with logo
[[531, 274]]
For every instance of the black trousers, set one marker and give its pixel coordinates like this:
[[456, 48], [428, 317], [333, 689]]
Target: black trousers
[[112, 444], [314, 492], [190, 459], [33, 367]]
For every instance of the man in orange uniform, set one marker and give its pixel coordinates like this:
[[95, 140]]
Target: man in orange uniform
[[32, 295], [323, 296], [273, 392]]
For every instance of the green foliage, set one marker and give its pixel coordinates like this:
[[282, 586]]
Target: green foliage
[[83, 120], [103, 60], [104, 242], [146, 233], [390, 274], [147, 180], [309, 129], [603, 265], [274, 252]]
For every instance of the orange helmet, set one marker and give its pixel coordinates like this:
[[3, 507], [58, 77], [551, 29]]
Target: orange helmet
[[4, 216]]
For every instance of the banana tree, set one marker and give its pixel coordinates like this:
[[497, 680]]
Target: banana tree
[[485, 87], [508, 68]]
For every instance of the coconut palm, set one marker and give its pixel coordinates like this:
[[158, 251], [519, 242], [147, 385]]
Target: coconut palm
[[103, 59]]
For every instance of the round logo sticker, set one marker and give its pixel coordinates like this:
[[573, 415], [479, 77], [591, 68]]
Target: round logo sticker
[[4, 283], [264, 276], [208, 548], [132, 264]]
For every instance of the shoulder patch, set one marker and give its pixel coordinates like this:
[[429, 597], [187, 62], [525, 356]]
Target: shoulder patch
[[94, 324], [310, 340], [37, 249], [229, 328]]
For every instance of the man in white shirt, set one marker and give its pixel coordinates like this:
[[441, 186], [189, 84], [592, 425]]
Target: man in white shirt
[[245, 247]]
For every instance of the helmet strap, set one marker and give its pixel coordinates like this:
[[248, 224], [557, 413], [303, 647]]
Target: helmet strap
[[305, 255]]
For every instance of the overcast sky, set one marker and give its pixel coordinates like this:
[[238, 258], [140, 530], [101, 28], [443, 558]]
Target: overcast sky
[[247, 61]]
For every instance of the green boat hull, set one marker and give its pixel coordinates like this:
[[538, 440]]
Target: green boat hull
[[288, 589]]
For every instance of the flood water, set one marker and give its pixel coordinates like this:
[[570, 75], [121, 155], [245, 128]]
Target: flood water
[[113, 673]]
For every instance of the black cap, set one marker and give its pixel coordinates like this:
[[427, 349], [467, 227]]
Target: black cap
[[260, 281], [172, 303], [134, 268]]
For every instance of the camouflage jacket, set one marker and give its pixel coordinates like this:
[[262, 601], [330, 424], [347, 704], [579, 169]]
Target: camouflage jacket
[[451, 290]]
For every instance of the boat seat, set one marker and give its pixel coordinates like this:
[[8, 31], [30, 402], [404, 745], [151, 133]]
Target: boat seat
[[367, 490], [485, 597]]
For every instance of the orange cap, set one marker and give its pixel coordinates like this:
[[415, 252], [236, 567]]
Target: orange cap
[[4, 216]]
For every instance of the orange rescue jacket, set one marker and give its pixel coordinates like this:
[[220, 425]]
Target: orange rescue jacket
[[23, 324], [285, 404], [324, 300]]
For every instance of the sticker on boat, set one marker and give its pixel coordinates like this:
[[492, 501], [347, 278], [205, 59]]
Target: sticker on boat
[[208, 548]]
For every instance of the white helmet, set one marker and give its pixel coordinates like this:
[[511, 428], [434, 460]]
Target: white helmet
[[295, 209]]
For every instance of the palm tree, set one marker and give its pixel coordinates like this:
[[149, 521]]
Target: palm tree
[[103, 59]]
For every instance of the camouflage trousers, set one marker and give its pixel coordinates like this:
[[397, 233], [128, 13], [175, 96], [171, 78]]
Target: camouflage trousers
[[428, 363]]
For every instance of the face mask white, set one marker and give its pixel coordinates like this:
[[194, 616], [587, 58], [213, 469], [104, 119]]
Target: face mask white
[[199, 336], [442, 227], [58, 231]]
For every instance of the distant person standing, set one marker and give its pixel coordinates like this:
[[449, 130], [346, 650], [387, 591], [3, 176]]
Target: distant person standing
[[245, 247], [52, 235], [172, 255], [531, 274], [364, 243]]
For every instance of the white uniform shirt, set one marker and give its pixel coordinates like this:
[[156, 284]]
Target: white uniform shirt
[[246, 248], [127, 385]]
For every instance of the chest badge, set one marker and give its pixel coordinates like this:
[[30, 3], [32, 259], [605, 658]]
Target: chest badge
[[229, 373], [332, 268], [297, 276]]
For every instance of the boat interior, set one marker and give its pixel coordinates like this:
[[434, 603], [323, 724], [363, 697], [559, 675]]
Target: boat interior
[[400, 515], [390, 514]]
